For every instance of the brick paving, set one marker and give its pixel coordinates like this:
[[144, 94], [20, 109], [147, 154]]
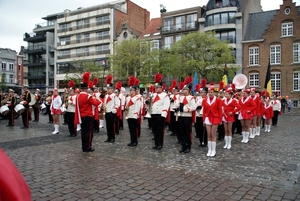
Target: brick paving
[[267, 168]]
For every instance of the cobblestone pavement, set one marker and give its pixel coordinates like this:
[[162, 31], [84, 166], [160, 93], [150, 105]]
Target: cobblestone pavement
[[267, 168]]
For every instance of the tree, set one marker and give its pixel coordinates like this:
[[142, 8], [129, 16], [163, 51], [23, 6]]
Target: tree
[[2, 82], [134, 57], [199, 51]]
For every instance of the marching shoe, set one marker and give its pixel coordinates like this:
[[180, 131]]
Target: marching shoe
[[209, 148], [155, 147], [226, 142], [258, 131], [112, 141], [251, 135], [107, 140], [182, 150], [243, 133], [229, 142], [159, 147], [23, 127], [187, 151], [246, 137], [134, 144], [56, 129], [130, 144], [213, 149]]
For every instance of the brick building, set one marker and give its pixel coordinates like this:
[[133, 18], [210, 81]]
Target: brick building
[[275, 35]]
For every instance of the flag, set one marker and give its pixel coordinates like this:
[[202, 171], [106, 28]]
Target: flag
[[195, 81], [268, 85], [225, 77]]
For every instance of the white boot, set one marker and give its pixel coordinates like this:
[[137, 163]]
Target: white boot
[[226, 142], [209, 148], [251, 133], [246, 137], [56, 129], [243, 133], [258, 131], [101, 123], [213, 149], [229, 142], [78, 127], [266, 130], [269, 128]]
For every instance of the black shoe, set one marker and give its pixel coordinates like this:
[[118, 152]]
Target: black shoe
[[155, 147], [182, 150], [134, 144], [72, 135], [96, 131], [23, 127], [107, 140], [89, 150], [35, 121], [159, 147], [9, 125], [187, 151], [196, 136], [64, 124], [50, 122], [173, 134], [111, 141], [121, 128], [130, 144]]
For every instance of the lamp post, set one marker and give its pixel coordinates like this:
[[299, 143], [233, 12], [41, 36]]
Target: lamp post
[[104, 63]]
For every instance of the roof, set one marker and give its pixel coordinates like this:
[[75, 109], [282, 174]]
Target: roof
[[132, 31], [257, 24], [153, 28]]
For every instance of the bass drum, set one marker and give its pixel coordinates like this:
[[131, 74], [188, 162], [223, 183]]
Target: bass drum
[[240, 81], [33, 100], [19, 108], [4, 110]]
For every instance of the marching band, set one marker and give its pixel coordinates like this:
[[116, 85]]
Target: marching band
[[207, 110]]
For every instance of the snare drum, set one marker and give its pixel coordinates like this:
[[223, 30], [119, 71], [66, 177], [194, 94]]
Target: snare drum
[[19, 108], [4, 110]]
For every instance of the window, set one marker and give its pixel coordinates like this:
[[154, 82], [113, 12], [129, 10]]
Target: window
[[102, 20], [168, 23], [11, 78], [253, 56], [296, 53], [275, 52], [178, 37], [3, 66], [226, 36], [65, 40], [168, 42], [287, 29], [65, 26], [79, 24], [11, 66], [253, 80], [102, 35], [154, 45], [224, 18], [86, 37], [296, 81], [86, 23], [65, 52], [276, 82], [102, 47], [179, 22], [295, 103], [78, 37]]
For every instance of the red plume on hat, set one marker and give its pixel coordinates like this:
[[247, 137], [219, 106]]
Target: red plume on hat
[[86, 77], [158, 77], [197, 87], [71, 84], [174, 83], [95, 81], [203, 83], [181, 85], [171, 89], [136, 82], [188, 80], [118, 85], [109, 79], [152, 89], [233, 87], [221, 85], [91, 84], [164, 86], [131, 80]]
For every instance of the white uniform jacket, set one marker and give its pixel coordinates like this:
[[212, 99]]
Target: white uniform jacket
[[112, 103], [160, 104], [133, 104], [189, 105]]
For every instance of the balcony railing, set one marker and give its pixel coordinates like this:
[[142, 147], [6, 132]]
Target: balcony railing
[[34, 36], [45, 24], [34, 75], [83, 54], [77, 27], [82, 40], [180, 27]]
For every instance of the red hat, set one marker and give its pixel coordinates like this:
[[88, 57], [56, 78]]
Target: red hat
[[85, 79], [212, 86], [158, 80], [252, 89], [246, 90], [109, 81], [71, 84], [228, 90]]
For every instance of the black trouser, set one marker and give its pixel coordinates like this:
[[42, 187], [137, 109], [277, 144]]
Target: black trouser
[[185, 124], [275, 117], [36, 112], [132, 125], [138, 127], [11, 115], [86, 133], [25, 117], [117, 124], [173, 124], [237, 124], [110, 125], [96, 125], [158, 125], [121, 124], [71, 125], [49, 114], [201, 131], [221, 132]]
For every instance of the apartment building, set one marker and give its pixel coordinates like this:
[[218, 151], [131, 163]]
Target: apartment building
[[40, 55], [89, 34], [229, 18], [274, 35]]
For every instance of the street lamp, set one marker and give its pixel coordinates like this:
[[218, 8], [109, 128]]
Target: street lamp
[[162, 8], [104, 63]]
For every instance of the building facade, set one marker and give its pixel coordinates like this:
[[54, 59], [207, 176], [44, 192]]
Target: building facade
[[228, 18], [89, 33], [275, 38]]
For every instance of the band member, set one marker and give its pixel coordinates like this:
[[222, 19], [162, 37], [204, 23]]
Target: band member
[[221, 129], [123, 102], [11, 103], [237, 123], [186, 106], [119, 111], [132, 110], [212, 115], [84, 114], [230, 107], [111, 106], [200, 129], [173, 97], [255, 113], [71, 113], [268, 114], [159, 111], [96, 94], [36, 106], [276, 104], [245, 116], [260, 106], [25, 100], [48, 104], [1, 97], [142, 107], [55, 110]]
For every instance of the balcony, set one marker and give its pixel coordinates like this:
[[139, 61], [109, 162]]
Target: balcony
[[35, 37], [83, 40], [32, 50], [83, 26], [189, 26], [84, 54], [35, 75], [35, 63], [51, 61], [45, 26]]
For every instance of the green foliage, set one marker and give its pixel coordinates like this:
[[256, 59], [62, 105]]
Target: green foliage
[[2, 82]]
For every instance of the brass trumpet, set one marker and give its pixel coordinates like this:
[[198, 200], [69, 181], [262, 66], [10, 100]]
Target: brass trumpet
[[104, 108], [126, 111]]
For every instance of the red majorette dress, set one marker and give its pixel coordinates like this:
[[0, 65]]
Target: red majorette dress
[[230, 107], [268, 111], [247, 106], [56, 104], [212, 110], [256, 99]]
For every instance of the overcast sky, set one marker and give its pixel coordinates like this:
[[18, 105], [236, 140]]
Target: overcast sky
[[20, 16]]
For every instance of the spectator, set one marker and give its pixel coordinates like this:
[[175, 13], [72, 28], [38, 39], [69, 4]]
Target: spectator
[[283, 104], [289, 105]]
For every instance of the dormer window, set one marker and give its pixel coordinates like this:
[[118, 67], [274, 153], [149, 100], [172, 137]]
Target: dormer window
[[287, 29]]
